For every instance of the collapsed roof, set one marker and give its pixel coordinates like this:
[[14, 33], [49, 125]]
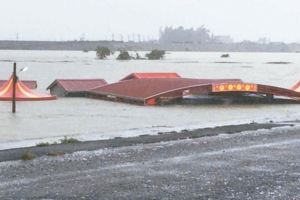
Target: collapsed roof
[[152, 89]]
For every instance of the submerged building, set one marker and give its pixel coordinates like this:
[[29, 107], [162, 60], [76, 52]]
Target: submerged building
[[165, 88], [162, 88], [74, 87]]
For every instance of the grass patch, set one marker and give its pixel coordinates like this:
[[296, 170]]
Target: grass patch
[[43, 144], [28, 156], [67, 140], [193, 136]]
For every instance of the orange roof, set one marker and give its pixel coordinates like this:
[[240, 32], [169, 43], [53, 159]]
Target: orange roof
[[23, 93], [151, 75]]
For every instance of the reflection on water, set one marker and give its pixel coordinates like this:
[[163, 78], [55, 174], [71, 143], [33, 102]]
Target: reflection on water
[[101, 119]]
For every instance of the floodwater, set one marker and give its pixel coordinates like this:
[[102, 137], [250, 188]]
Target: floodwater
[[89, 119]]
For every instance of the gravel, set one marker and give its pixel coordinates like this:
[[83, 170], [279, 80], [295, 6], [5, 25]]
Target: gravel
[[257, 164]]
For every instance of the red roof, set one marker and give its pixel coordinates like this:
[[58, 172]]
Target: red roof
[[141, 89], [151, 75], [29, 84], [152, 90], [23, 93], [77, 85]]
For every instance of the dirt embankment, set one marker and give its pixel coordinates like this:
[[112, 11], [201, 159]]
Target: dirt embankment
[[58, 149]]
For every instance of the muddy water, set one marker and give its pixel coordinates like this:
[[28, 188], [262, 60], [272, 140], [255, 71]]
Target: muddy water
[[94, 119]]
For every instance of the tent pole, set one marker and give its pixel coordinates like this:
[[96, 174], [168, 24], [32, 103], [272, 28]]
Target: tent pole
[[14, 88]]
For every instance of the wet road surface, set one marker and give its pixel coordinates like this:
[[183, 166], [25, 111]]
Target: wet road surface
[[263, 164]]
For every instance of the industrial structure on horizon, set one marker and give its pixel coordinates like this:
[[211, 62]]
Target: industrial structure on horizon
[[170, 39]]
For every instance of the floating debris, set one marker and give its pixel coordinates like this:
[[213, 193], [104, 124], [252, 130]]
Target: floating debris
[[225, 55], [279, 63]]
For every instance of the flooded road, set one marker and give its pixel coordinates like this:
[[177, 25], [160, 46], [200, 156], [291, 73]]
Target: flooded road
[[89, 119]]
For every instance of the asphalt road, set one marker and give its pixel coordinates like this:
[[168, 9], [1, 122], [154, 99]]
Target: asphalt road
[[262, 164]]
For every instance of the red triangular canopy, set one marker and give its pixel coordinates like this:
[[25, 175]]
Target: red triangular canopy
[[296, 87], [23, 93]]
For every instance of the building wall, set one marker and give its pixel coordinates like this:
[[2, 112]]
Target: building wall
[[58, 91], [76, 94]]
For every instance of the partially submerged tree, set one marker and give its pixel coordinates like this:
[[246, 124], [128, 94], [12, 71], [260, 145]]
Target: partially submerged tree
[[155, 54], [103, 52], [137, 56], [124, 55]]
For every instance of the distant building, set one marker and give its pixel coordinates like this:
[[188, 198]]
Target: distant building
[[263, 40], [186, 36], [225, 39], [74, 87]]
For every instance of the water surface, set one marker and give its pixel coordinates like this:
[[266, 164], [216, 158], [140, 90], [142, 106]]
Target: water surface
[[94, 119]]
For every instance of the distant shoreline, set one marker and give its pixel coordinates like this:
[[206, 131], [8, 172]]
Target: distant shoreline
[[245, 46]]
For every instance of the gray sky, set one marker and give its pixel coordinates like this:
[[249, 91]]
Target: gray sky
[[278, 20]]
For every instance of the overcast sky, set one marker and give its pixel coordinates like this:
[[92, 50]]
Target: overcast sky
[[278, 20]]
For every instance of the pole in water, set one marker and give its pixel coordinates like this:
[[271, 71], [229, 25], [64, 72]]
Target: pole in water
[[14, 88]]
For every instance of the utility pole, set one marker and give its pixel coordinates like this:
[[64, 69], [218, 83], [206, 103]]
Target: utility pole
[[14, 88]]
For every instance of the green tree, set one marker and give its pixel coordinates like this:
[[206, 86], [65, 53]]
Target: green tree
[[155, 54], [103, 52], [124, 55]]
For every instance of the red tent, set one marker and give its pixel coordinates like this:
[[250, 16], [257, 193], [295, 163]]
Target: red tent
[[30, 84], [23, 93]]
